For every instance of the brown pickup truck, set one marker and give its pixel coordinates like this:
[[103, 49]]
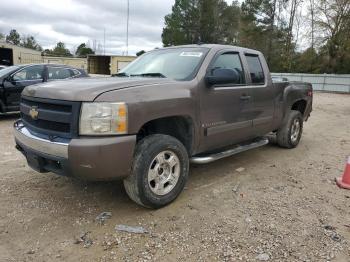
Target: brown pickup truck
[[169, 108]]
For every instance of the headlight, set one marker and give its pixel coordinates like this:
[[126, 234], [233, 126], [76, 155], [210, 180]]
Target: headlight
[[101, 118]]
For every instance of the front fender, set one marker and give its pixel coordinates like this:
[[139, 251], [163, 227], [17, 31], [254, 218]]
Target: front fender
[[152, 102]]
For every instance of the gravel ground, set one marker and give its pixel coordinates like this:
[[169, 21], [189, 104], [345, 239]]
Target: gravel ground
[[268, 204]]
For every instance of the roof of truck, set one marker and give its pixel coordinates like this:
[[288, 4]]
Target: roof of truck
[[46, 64], [217, 47]]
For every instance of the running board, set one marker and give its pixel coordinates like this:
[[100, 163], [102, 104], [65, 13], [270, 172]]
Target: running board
[[237, 149]]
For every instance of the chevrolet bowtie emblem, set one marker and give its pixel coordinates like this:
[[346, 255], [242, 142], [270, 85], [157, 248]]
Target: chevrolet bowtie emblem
[[33, 112]]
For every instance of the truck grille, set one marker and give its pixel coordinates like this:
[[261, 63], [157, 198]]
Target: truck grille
[[54, 117]]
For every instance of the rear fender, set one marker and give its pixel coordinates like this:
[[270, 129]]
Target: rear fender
[[292, 94]]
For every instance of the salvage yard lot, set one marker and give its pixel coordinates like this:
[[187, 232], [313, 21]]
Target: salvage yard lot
[[281, 205]]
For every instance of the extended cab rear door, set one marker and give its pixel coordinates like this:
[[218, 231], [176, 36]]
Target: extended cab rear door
[[262, 93]]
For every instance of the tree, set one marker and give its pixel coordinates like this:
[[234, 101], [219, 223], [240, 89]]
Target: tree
[[182, 26], [59, 50], [209, 27], [205, 21], [270, 26], [30, 42], [262, 28], [231, 20], [139, 53], [305, 62], [26, 41], [83, 50], [2, 36], [333, 23], [289, 50], [219, 22], [13, 37]]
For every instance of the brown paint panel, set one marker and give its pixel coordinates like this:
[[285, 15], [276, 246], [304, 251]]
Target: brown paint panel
[[227, 127], [101, 158], [262, 120]]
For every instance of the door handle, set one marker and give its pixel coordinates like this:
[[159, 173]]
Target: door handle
[[245, 97]]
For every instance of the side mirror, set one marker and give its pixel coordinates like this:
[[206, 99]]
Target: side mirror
[[221, 76], [10, 80], [6, 80]]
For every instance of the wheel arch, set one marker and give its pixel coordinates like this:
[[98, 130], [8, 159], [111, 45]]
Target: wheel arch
[[179, 126], [294, 99], [299, 105]]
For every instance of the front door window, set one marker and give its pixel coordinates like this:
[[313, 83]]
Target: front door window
[[30, 73]]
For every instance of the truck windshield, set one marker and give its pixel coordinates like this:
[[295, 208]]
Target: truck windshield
[[178, 64], [7, 70]]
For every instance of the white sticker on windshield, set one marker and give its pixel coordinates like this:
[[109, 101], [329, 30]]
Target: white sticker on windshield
[[195, 54]]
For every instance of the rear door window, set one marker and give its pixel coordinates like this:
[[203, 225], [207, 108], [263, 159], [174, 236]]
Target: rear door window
[[75, 72], [255, 68], [55, 73]]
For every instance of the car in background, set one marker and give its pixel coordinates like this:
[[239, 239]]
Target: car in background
[[2, 67], [14, 79]]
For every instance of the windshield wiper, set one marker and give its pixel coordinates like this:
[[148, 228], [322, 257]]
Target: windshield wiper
[[150, 75], [120, 75]]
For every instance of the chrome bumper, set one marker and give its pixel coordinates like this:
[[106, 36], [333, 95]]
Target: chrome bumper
[[24, 137]]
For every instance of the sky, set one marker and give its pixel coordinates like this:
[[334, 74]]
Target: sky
[[85, 21]]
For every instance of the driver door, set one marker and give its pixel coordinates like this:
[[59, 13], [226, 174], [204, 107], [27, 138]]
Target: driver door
[[226, 109], [15, 84]]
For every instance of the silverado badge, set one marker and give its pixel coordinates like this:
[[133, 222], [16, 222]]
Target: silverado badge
[[33, 112]]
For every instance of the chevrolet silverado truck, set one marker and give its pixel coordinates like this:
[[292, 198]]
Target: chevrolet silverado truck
[[168, 108]]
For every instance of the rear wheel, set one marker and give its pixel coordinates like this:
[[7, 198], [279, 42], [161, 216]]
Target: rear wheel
[[159, 172], [289, 134]]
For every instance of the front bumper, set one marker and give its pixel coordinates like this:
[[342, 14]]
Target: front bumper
[[102, 158]]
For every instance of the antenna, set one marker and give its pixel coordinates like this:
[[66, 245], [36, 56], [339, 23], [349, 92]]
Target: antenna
[[127, 28], [104, 41]]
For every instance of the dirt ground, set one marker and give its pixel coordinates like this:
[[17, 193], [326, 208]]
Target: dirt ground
[[282, 205]]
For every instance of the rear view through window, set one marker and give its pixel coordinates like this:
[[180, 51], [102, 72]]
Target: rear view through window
[[58, 73], [255, 68]]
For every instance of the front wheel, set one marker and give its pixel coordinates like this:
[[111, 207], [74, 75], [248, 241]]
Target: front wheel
[[289, 134], [159, 172]]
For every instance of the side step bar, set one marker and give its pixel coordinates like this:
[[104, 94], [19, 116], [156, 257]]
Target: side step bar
[[237, 149]]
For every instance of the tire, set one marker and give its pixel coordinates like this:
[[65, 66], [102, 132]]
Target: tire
[[287, 135], [159, 173]]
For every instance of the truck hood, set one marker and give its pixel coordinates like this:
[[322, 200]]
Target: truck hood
[[87, 89]]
